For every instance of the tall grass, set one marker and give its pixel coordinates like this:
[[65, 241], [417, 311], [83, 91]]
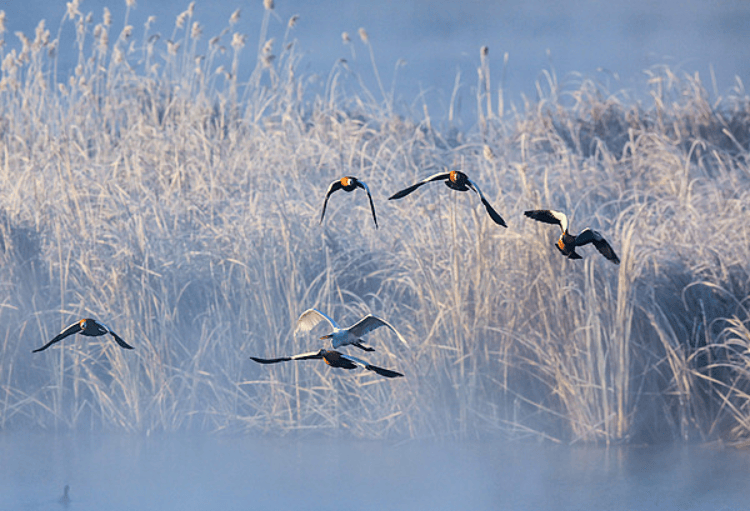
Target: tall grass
[[172, 189]]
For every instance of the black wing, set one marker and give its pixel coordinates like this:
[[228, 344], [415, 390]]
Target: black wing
[[548, 217], [119, 341], [493, 214], [270, 360], [589, 236], [72, 329], [364, 186], [302, 356], [383, 372], [406, 191], [336, 185]]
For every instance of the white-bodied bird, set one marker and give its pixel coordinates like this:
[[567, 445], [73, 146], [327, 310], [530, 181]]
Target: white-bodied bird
[[344, 336]]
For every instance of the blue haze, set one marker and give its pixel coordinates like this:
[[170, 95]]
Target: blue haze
[[611, 41], [608, 41]]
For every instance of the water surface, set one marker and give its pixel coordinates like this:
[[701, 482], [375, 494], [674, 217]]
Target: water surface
[[206, 472]]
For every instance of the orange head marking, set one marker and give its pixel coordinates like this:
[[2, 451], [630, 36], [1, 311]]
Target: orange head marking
[[82, 324], [561, 244], [346, 182], [453, 176]]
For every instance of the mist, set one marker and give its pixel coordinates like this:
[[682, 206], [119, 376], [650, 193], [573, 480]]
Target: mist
[[180, 471], [166, 177]]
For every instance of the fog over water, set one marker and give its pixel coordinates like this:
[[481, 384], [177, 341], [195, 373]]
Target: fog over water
[[157, 387], [200, 472]]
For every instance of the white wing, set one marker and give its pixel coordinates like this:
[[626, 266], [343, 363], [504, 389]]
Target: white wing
[[310, 318], [562, 218], [308, 355], [370, 323], [474, 187]]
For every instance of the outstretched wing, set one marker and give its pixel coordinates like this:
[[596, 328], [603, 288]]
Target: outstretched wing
[[364, 186], [310, 318], [493, 214], [302, 356], [590, 236], [549, 217], [70, 330], [382, 372], [119, 340], [406, 191], [370, 323], [336, 185]]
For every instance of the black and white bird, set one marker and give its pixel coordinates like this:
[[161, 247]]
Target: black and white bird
[[88, 326], [458, 181], [348, 184], [334, 359], [344, 336], [567, 242]]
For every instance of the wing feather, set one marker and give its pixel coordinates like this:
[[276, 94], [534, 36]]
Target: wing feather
[[310, 318], [406, 191], [372, 206], [549, 216], [490, 210], [590, 236], [382, 372], [119, 341], [69, 330], [117, 338], [370, 323], [301, 356], [336, 185]]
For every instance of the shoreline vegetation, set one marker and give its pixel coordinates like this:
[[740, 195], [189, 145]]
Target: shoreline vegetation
[[171, 186]]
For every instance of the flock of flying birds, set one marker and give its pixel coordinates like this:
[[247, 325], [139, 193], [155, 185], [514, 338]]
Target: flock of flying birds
[[352, 336]]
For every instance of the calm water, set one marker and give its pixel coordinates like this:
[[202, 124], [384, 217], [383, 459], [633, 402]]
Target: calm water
[[203, 472]]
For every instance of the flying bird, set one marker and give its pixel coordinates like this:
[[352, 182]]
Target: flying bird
[[344, 336], [348, 184], [334, 359], [88, 326], [458, 181], [568, 242]]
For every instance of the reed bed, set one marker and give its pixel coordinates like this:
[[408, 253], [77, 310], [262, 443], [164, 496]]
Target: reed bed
[[172, 189]]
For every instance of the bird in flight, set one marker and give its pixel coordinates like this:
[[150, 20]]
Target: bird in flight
[[88, 326], [348, 184], [458, 181], [334, 359], [567, 242], [344, 336]]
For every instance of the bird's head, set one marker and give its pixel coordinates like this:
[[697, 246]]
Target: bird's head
[[83, 323], [347, 181]]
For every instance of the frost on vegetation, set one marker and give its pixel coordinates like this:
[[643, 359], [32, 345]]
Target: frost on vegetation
[[171, 186]]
